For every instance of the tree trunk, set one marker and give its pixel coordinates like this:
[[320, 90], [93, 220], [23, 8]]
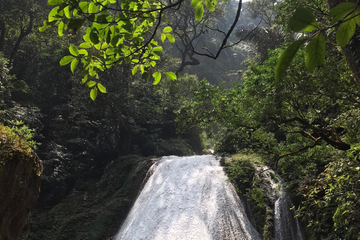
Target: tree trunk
[[2, 35]]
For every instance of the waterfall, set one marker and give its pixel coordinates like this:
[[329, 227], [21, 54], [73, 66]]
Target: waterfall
[[188, 198], [286, 226]]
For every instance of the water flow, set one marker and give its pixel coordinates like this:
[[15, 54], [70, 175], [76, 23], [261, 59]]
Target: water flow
[[286, 225], [188, 198]]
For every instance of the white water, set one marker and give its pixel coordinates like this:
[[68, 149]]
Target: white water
[[188, 198], [286, 226]]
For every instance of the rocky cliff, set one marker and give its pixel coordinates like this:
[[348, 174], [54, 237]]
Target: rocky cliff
[[20, 170]]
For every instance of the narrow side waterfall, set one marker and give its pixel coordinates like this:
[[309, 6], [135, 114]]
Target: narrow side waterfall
[[286, 225], [188, 198]]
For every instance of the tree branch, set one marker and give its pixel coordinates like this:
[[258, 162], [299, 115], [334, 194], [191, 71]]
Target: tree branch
[[2, 35], [23, 33]]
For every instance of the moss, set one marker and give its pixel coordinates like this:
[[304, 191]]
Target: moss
[[20, 171], [95, 209], [11, 143], [242, 171]]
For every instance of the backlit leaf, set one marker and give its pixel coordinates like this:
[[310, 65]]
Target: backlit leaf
[[171, 75], [345, 32], [85, 78], [157, 77], [199, 12], [167, 30], [303, 20], [101, 88], [210, 4], [134, 70], [55, 2], [66, 60], [93, 94], [61, 29], [73, 50], [315, 52], [91, 84], [171, 38], [67, 12], [286, 57], [157, 49], [195, 3], [341, 10], [74, 64], [85, 45], [163, 37], [93, 8]]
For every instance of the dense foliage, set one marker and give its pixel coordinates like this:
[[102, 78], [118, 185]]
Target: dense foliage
[[306, 126]]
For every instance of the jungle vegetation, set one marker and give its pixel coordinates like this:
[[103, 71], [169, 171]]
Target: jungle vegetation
[[295, 100]]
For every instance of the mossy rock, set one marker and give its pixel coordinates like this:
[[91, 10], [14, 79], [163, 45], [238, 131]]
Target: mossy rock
[[20, 171], [94, 209], [243, 172]]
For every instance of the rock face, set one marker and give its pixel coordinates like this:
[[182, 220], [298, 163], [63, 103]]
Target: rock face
[[94, 207], [20, 171]]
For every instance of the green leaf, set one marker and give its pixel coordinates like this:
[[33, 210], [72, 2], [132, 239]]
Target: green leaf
[[303, 20], [73, 65], [142, 69], [157, 49], [167, 30], [286, 57], [101, 88], [83, 51], [171, 75], [83, 6], [54, 14], [85, 78], [357, 19], [153, 63], [75, 23], [199, 13], [61, 29], [67, 12], [85, 45], [341, 10], [66, 60], [46, 26], [145, 75], [93, 94], [210, 4], [342, 7], [195, 3], [91, 84], [134, 70], [345, 32], [73, 50], [157, 77], [94, 38], [93, 8], [55, 2], [163, 37], [170, 37], [315, 52]]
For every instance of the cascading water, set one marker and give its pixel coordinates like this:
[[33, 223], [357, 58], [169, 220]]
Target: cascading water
[[188, 198], [286, 226]]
